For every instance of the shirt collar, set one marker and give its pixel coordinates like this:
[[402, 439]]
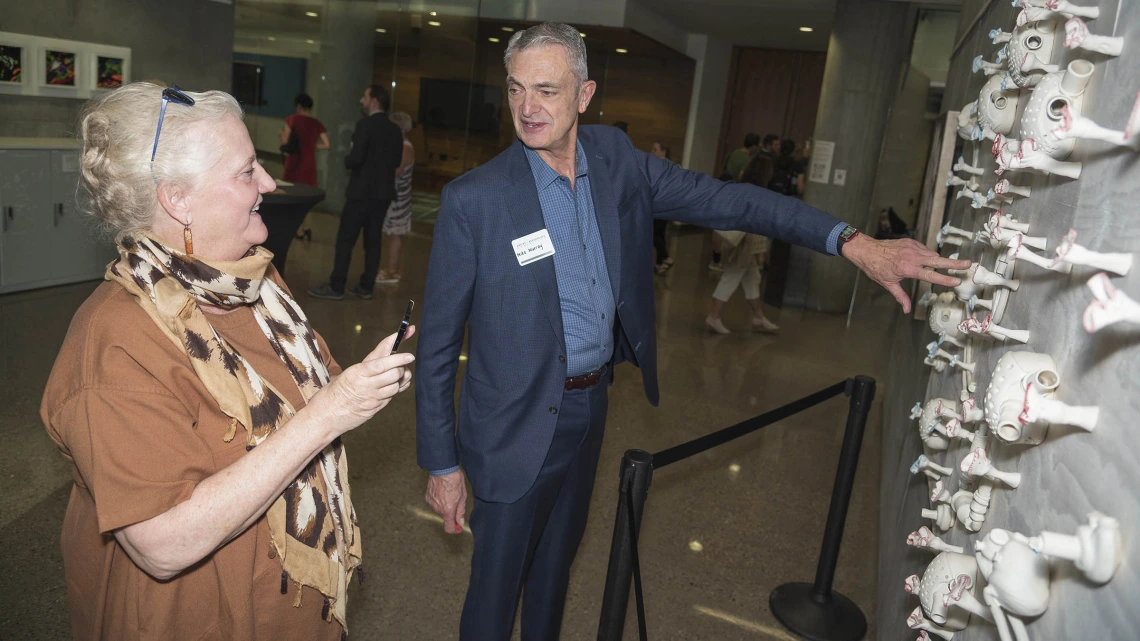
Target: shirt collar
[[544, 175]]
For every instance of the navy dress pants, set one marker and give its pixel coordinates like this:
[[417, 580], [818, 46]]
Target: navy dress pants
[[525, 548]]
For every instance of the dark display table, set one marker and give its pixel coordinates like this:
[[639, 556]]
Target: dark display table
[[282, 211]]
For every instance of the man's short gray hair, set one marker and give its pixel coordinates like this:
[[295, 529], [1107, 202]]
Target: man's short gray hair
[[551, 33]]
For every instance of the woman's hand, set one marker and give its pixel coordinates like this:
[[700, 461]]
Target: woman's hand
[[364, 389]]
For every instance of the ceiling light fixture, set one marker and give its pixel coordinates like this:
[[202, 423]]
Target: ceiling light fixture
[[381, 31], [311, 14], [271, 38], [310, 41], [508, 29], [619, 50], [434, 23], [806, 29], [581, 34], [492, 39], [433, 14]]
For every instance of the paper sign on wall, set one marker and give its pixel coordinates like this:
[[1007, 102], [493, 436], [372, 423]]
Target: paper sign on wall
[[821, 155], [840, 177]]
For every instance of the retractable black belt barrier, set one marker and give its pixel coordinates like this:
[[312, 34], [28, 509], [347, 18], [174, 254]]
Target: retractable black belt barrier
[[811, 610]]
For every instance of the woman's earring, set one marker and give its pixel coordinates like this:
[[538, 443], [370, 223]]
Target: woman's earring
[[189, 238]]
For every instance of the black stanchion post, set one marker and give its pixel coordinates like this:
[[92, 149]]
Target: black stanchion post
[[814, 611], [636, 474]]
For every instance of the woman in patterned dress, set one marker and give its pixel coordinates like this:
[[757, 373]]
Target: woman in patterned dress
[[398, 222]]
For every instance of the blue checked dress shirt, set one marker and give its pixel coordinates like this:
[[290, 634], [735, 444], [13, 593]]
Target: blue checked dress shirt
[[584, 291]]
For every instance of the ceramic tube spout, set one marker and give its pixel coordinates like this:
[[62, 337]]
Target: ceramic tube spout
[[953, 428], [1071, 253], [968, 602], [1003, 186], [955, 181], [939, 494], [1095, 549], [956, 362], [1043, 163], [938, 364], [956, 231], [930, 468], [1110, 307], [916, 411], [986, 67], [916, 621], [1077, 36], [1015, 250], [941, 516], [1070, 9], [970, 169], [924, 538], [997, 36], [980, 302], [1019, 335], [983, 276], [1001, 221], [1053, 411], [977, 463]]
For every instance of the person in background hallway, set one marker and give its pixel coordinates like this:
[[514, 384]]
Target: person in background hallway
[[377, 149], [535, 263], [786, 178], [891, 226], [301, 165], [744, 261], [199, 410], [660, 225], [398, 222], [770, 147], [735, 161], [623, 125]]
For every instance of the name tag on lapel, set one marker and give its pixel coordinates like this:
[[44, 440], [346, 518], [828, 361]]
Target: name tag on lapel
[[533, 247]]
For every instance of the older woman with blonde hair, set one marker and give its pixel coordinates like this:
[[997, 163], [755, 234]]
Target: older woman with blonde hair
[[200, 411]]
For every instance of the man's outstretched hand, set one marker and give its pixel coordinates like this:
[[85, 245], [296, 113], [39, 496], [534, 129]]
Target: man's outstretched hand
[[888, 262]]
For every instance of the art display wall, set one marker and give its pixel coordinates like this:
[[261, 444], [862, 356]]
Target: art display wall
[[35, 66], [1011, 461]]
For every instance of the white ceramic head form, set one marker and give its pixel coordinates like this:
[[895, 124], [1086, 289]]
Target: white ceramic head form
[[997, 105], [948, 581], [1046, 109], [1030, 46], [1110, 306], [1019, 401]]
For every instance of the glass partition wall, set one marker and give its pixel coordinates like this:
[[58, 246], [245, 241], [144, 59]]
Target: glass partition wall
[[443, 66]]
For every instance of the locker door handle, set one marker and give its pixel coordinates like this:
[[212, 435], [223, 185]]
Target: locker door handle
[[57, 215], [9, 216]]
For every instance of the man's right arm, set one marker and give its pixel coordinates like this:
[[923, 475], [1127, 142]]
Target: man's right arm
[[359, 151], [447, 303]]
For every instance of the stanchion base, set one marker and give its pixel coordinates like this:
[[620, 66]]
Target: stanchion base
[[837, 619]]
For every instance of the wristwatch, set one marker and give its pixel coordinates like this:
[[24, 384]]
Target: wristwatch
[[845, 236]]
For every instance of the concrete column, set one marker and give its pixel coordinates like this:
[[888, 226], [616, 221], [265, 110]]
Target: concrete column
[[865, 60], [345, 61], [706, 105]]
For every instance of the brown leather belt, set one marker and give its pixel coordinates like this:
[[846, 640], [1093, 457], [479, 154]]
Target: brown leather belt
[[585, 381]]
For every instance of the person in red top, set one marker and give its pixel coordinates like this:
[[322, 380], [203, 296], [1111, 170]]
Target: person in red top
[[301, 167]]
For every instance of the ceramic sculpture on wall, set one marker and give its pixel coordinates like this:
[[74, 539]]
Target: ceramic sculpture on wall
[[997, 107], [929, 468], [946, 312], [999, 231], [1030, 48], [962, 165], [1003, 186], [1110, 307], [924, 538], [1077, 36], [1016, 568], [977, 463], [1019, 403], [968, 121], [986, 326], [1016, 250], [1070, 253], [952, 235], [946, 591], [918, 622], [955, 181], [1076, 126]]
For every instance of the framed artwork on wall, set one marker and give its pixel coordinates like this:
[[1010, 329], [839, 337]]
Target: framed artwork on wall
[[59, 68], [107, 67], [11, 64]]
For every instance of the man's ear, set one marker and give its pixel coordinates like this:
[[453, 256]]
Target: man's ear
[[586, 93], [175, 202]]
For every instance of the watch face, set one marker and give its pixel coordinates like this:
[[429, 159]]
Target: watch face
[[848, 233]]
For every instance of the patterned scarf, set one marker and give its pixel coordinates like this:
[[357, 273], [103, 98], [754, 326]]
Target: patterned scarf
[[312, 524]]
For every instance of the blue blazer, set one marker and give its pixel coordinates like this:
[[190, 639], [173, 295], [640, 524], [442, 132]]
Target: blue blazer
[[516, 356]]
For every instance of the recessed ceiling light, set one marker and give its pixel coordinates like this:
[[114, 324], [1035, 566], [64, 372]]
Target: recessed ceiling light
[[581, 34], [433, 13], [806, 29], [621, 50], [492, 39], [309, 41], [434, 23], [508, 29], [311, 14], [393, 84], [272, 38], [381, 31]]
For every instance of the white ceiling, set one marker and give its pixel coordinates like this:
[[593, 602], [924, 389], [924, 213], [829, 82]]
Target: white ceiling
[[754, 23]]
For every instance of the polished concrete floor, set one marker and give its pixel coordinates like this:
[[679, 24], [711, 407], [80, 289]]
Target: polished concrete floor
[[721, 530]]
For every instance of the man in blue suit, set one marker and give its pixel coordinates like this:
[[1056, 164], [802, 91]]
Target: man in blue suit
[[544, 255]]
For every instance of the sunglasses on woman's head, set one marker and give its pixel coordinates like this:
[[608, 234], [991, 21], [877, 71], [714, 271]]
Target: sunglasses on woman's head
[[170, 94]]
